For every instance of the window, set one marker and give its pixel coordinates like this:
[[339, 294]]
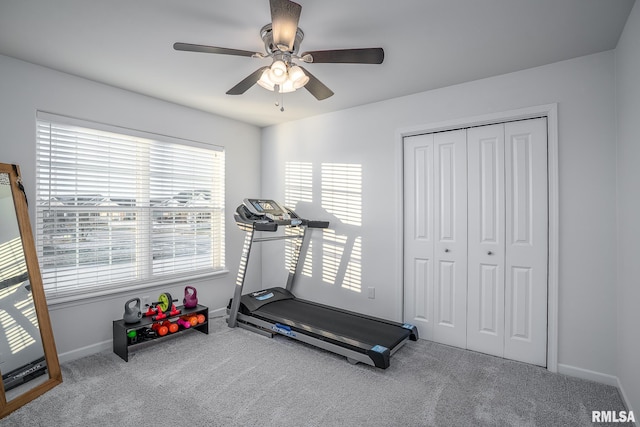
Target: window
[[118, 208]]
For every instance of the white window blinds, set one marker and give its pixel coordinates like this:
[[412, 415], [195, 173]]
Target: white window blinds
[[122, 209]]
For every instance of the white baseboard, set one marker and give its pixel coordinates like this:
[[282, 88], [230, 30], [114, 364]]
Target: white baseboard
[[586, 374], [219, 312], [85, 351], [599, 377], [626, 401]]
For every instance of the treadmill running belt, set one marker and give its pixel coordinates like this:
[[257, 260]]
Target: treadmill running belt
[[333, 323]]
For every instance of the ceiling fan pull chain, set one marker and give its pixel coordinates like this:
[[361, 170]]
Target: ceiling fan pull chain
[[279, 102]]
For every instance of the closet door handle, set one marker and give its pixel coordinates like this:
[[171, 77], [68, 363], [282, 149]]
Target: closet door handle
[[489, 253], [446, 250]]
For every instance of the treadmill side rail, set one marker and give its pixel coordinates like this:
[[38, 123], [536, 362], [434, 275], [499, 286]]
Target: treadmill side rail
[[260, 326]]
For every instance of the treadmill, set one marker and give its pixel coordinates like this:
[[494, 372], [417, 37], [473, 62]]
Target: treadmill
[[358, 337]]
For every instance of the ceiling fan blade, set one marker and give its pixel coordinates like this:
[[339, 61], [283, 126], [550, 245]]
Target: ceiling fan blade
[[285, 15], [246, 84], [211, 49], [316, 87], [373, 55]]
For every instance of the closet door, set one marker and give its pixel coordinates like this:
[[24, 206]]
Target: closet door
[[435, 282], [526, 241], [476, 238], [450, 232], [418, 233], [486, 199]]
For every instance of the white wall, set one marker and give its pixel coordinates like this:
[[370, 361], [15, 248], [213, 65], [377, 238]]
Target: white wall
[[628, 188], [367, 135], [84, 327]]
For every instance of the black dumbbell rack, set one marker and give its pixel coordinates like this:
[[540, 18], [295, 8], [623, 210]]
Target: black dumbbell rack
[[122, 343]]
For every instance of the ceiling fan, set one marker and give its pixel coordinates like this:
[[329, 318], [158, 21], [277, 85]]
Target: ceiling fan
[[282, 38]]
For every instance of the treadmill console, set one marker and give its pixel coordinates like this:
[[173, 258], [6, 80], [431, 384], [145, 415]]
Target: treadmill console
[[268, 208], [267, 215]]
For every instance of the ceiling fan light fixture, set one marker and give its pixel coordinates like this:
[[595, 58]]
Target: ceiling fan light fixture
[[278, 72], [287, 87], [297, 77], [265, 81]]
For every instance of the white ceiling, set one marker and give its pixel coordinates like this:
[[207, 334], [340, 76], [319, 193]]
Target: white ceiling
[[428, 44]]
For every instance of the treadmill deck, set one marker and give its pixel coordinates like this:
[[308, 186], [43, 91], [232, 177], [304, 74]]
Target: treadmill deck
[[355, 330]]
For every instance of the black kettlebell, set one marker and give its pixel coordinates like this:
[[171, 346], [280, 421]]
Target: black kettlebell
[[132, 314]]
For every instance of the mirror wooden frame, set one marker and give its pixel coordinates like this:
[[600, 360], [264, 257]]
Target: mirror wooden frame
[[40, 303]]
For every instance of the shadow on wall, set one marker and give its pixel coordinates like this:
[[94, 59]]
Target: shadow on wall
[[335, 256]]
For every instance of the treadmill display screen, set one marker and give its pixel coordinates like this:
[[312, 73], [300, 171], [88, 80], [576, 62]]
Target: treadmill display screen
[[263, 205]]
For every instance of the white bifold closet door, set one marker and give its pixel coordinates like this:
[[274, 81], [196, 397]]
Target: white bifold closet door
[[507, 214], [436, 180], [476, 238], [487, 228]]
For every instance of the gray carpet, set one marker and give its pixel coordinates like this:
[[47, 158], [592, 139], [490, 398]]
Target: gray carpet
[[233, 377]]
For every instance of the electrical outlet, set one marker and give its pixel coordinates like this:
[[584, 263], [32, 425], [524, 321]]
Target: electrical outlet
[[372, 293], [146, 300]]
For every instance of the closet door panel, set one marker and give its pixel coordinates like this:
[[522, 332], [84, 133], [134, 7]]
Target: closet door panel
[[450, 246], [526, 241], [486, 231], [418, 233]]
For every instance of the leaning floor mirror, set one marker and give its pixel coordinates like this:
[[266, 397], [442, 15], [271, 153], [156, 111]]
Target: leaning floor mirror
[[28, 358]]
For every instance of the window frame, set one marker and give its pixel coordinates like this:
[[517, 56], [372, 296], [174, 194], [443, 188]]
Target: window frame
[[217, 224]]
